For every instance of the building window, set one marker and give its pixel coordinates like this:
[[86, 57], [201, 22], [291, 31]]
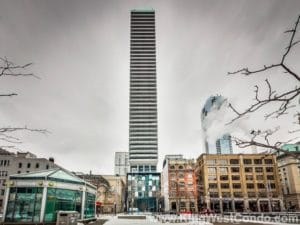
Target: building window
[[28, 165], [258, 169], [257, 161], [268, 161], [250, 186], [236, 185], [172, 167], [225, 185], [212, 186], [249, 177], [27, 208], [269, 169], [212, 177], [260, 185], [235, 169], [270, 177], [214, 194], [226, 194], [248, 169], [224, 170], [273, 186], [235, 177], [224, 177], [180, 167], [211, 169], [247, 161], [19, 171], [251, 194], [20, 165], [234, 161], [238, 194], [5, 162], [63, 199], [211, 162], [222, 161], [47, 167], [181, 175], [37, 165], [259, 177]]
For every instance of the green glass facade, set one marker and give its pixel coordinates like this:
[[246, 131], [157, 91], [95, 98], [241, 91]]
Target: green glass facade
[[89, 211], [61, 199], [38, 196], [24, 204]]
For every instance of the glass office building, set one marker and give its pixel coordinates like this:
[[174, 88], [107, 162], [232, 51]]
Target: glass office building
[[143, 192], [38, 196], [212, 111]]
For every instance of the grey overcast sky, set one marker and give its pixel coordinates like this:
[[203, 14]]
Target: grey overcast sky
[[80, 50]]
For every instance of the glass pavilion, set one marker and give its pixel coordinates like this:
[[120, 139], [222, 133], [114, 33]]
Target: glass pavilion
[[38, 196]]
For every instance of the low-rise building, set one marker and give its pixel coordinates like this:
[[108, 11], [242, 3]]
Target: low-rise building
[[20, 162], [179, 187], [239, 182], [289, 171], [110, 197], [36, 197]]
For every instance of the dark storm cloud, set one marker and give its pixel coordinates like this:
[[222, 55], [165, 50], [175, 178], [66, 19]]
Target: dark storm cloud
[[80, 49]]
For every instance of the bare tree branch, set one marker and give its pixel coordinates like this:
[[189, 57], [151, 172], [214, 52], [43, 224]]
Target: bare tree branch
[[285, 98], [8, 68]]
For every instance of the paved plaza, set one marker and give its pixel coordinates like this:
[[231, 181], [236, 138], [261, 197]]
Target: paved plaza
[[169, 220]]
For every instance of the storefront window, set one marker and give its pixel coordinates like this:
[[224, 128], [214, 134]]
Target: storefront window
[[61, 199], [89, 211], [24, 204]]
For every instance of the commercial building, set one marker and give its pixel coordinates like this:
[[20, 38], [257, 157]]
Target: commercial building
[[222, 144], [20, 162], [143, 182], [289, 171], [122, 166], [37, 196], [239, 182], [110, 197], [113, 199], [143, 192], [179, 187]]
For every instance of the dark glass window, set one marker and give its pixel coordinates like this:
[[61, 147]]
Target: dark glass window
[[268, 161], [225, 185], [258, 169], [235, 169], [250, 186], [28, 165], [234, 161], [248, 169], [20, 165], [247, 161], [236, 185], [258, 161]]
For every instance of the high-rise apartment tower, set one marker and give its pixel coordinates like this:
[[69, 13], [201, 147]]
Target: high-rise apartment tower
[[143, 95]]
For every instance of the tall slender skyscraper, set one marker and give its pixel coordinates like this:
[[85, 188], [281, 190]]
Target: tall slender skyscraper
[[143, 97], [223, 144]]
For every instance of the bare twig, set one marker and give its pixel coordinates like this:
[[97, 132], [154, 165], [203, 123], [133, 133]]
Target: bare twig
[[285, 98]]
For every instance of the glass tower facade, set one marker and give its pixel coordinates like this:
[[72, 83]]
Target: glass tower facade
[[143, 100], [223, 144]]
